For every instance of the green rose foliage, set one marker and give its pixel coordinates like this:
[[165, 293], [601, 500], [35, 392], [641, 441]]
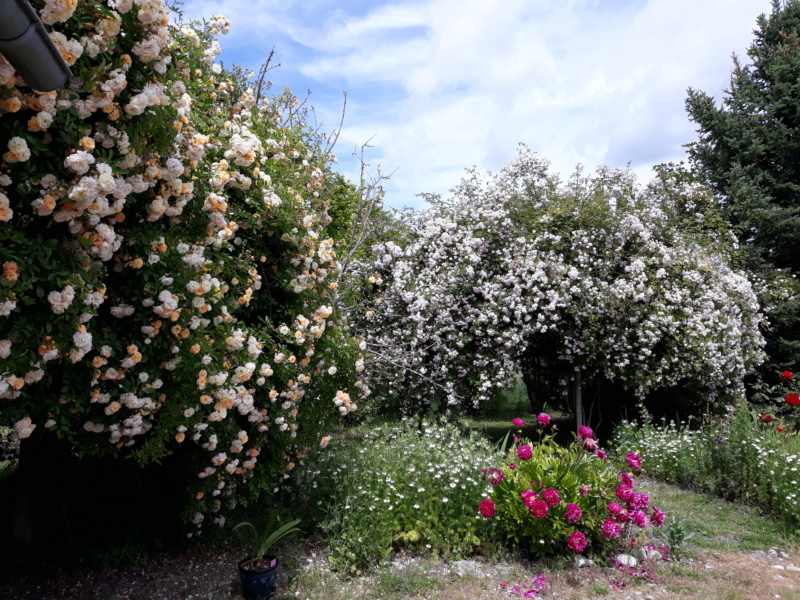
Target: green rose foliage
[[166, 271]]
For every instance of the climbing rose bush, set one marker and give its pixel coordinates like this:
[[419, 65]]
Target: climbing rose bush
[[166, 282], [555, 500]]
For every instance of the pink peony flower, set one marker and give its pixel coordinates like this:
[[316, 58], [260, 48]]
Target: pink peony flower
[[543, 419], [512, 466], [585, 432], [590, 445], [658, 517], [640, 519], [614, 508], [495, 476], [539, 508], [574, 513], [528, 494], [626, 478], [611, 529], [518, 422], [577, 541], [600, 454], [524, 453], [634, 460], [487, 508], [639, 502], [624, 492], [623, 517], [551, 496]]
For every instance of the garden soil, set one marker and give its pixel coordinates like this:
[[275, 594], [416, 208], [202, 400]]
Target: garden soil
[[210, 574]]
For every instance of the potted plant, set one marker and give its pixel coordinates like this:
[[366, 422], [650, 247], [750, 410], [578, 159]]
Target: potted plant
[[259, 571]]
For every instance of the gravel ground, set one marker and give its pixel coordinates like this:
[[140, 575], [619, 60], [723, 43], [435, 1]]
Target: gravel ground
[[188, 574]]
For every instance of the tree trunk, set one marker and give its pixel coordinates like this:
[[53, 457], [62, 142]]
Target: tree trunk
[[531, 377], [579, 418]]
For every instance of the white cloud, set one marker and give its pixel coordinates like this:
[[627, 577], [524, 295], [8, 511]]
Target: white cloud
[[447, 84]]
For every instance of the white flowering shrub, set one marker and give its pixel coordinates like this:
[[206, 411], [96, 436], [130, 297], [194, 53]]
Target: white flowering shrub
[[412, 486], [598, 273], [166, 277]]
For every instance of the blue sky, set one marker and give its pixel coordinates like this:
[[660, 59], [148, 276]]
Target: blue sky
[[442, 85]]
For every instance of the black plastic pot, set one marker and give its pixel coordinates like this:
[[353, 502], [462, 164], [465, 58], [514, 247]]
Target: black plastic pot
[[259, 584]]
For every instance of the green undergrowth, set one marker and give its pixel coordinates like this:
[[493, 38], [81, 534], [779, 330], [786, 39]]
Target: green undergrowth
[[735, 456], [412, 486]]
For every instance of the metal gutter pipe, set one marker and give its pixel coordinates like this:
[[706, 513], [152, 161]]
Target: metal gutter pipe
[[27, 46]]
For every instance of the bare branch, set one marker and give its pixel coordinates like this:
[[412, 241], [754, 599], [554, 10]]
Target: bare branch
[[335, 133], [262, 74], [370, 192]]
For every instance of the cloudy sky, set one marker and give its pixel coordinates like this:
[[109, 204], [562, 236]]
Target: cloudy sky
[[441, 85]]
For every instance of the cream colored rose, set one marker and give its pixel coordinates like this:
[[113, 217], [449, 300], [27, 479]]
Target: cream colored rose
[[18, 151]]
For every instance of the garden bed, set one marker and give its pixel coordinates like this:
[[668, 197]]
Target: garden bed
[[735, 554]]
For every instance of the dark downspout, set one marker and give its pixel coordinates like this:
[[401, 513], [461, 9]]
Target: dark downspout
[[27, 46]]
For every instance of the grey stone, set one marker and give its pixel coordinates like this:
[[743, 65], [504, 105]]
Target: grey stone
[[650, 554], [626, 560]]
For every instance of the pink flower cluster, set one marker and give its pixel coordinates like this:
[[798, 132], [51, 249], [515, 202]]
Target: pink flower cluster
[[494, 476], [573, 513], [634, 510], [487, 508], [577, 541], [524, 453], [634, 460]]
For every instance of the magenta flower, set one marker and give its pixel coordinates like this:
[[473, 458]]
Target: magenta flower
[[574, 513], [639, 502], [600, 454], [585, 489], [577, 541], [611, 529], [539, 508], [512, 466], [614, 508], [551, 496], [626, 478], [640, 519], [623, 517], [487, 508], [585, 432], [590, 445], [524, 453], [494, 476], [658, 517], [634, 460], [528, 494], [624, 492], [518, 422], [543, 419]]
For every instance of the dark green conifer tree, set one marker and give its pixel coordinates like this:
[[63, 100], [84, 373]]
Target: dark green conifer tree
[[749, 152]]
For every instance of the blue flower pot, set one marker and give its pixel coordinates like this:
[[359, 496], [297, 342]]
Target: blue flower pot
[[258, 583]]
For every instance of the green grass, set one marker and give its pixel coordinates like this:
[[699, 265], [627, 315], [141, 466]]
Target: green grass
[[494, 427], [720, 524]]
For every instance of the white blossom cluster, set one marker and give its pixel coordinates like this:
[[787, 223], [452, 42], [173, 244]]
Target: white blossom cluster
[[596, 270]]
